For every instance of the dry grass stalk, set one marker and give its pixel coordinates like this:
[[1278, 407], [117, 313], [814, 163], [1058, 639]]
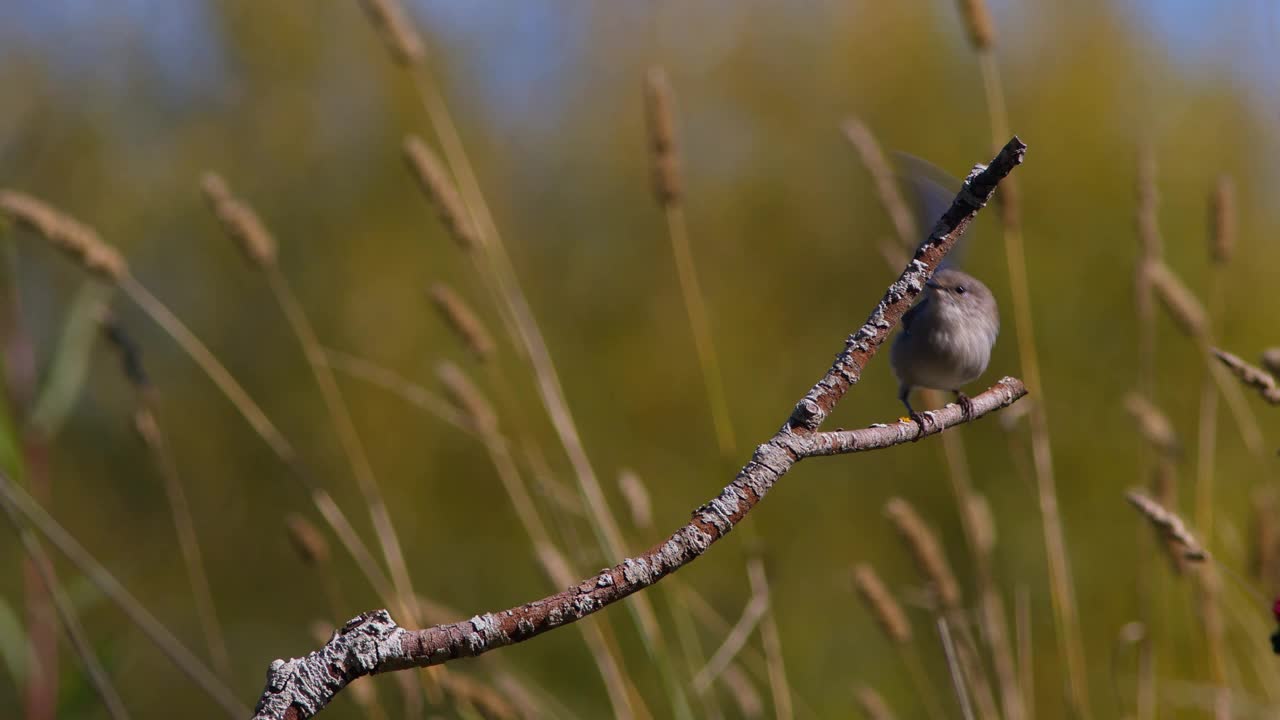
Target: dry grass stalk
[[435, 182], [872, 704], [926, 549], [1265, 555], [884, 608], [67, 617], [976, 675], [734, 641], [637, 497], [1210, 611], [144, 423], [554, 563], [349, 438], [482, 699], [65, 233], [1223, 207], [147, 424], [1169, 524], [1153, 425], [1009, 203], [148, 428], [708, 617], [239, 221], [1150, 242], [977, 20], [389, 380], [397, 31], [1252, 376], [1061, 584], [659, 104], [1164, 489], [872, 157], [667, 185], [983, 523], [957, 673], [1023, 631], [459, 317], [307, 540], [467, 397], [1182, 305], [771, 640], [1271, 360], [743, 692], [894, 255]]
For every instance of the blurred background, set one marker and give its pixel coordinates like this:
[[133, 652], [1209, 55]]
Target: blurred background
[[112, 111]]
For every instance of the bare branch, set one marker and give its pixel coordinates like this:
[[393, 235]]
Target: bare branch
[[373, 643]]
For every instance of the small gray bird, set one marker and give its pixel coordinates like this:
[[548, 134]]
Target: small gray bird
[[946, 338]]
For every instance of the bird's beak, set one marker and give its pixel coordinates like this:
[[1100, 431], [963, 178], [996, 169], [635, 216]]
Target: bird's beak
[[931, 284]]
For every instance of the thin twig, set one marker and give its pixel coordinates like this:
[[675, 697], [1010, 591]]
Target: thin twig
[[301, 687], [397, 648]]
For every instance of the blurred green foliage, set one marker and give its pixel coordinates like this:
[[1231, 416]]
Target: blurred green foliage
[[302, 111]]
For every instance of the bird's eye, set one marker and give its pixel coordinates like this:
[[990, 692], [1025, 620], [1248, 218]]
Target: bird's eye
[[960, 289]]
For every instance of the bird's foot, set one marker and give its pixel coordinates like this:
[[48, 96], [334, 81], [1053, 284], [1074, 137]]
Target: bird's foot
[[924, 420], [966, 405]]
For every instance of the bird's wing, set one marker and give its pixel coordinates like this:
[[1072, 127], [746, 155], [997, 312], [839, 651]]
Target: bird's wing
[[911, 314]]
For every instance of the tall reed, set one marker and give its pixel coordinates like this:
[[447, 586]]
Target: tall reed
[[668, 190], [981, 31]]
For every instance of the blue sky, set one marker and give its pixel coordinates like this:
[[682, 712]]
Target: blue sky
[[180, 42]]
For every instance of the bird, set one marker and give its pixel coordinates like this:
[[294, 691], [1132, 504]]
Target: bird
[[946, 338]]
